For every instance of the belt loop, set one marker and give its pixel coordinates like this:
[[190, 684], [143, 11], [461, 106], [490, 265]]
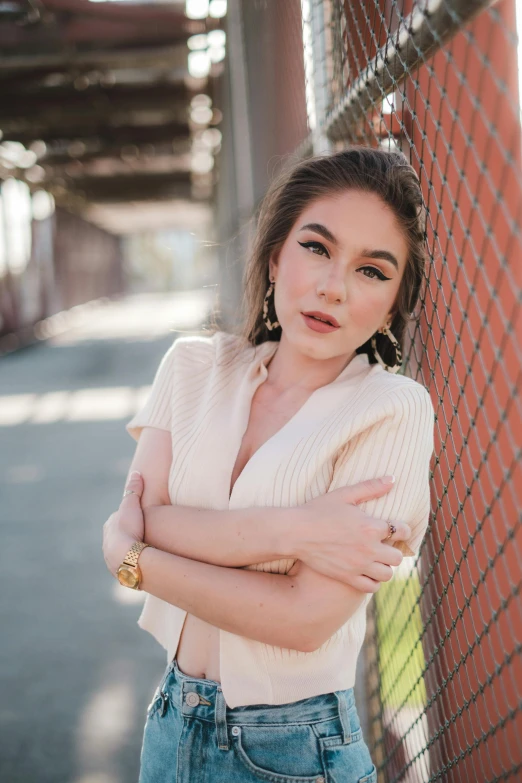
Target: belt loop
[[220, 715], [165, 676], [343, 716]]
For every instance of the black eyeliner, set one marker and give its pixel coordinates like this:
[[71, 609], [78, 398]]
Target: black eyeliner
[[313, 243]]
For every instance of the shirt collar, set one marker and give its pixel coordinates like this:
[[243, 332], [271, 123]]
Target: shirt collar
[[264, 352]]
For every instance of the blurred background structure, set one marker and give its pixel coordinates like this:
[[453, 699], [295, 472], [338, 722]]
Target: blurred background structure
[[137, 139]]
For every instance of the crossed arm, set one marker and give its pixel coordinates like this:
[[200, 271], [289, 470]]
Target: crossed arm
[[193, 553]]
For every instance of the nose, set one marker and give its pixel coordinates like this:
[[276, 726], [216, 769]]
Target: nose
[[333, 288]]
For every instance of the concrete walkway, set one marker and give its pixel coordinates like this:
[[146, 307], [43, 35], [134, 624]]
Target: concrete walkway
[[76, 671]]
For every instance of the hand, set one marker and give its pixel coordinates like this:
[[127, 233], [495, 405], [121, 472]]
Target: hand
[[125, 526], [348, 544], [130, 512]]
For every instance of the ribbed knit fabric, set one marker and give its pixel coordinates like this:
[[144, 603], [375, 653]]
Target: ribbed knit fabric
[[364, 424]]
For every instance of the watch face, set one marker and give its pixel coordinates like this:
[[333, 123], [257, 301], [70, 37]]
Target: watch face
[[128, 576]]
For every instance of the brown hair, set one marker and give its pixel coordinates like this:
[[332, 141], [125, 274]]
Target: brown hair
[[385, 173]]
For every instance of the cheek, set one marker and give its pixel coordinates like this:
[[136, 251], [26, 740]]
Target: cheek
[[295, 281], [370, 310]]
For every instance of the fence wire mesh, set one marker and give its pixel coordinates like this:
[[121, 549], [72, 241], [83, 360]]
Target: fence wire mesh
[[437, 80]]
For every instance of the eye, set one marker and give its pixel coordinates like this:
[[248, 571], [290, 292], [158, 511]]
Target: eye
[[313, 244], [376, 273]]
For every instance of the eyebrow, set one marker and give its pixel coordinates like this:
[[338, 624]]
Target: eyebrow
[[327, 234]]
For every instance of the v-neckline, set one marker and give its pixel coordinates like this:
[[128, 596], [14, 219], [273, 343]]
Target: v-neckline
[[259, 365]]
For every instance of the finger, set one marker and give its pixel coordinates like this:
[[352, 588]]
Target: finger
[[366, 490], [365, 584], [379, 571], [401, 533], [108, 521], [133, 491], [388, 555]]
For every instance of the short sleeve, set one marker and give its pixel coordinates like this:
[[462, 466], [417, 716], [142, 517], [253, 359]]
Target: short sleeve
[[401, 443], [157, 409]]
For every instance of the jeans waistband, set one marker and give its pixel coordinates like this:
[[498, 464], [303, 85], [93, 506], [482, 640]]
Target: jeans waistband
[[203, 699]]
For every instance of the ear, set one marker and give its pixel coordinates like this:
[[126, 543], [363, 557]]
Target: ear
[[272, 265]]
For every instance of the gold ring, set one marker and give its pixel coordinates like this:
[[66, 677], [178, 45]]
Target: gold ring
[[393, 530]]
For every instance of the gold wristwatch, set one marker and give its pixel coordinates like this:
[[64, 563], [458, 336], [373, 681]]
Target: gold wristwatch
[[129, 574]]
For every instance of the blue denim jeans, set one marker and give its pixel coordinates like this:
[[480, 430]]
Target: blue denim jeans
[[192, 736]]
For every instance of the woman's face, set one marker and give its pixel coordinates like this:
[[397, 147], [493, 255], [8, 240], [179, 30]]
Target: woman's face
[[353, 273]]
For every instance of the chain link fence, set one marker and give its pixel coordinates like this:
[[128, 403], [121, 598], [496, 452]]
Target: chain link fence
[[438, 80]]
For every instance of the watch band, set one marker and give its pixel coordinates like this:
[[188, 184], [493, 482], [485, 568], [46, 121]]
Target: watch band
[[131, 558]]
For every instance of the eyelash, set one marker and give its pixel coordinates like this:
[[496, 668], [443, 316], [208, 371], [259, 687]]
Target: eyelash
[[379, 274]]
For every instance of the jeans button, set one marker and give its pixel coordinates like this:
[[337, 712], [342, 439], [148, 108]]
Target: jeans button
[[192, 699], [236, 730]]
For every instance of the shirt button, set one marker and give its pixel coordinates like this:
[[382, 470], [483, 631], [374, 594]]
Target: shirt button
[[236, 730], [192, 699]]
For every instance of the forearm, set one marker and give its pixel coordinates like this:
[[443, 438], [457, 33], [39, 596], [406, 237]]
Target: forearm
[[233, 537], [259, 605]]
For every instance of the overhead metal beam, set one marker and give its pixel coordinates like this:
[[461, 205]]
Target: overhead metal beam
[[140, 187], [131, 12], [75, 170], [70, 102], [176, 147], [58, 95], [87, 121], [171, 57], [83, 31], [127, 134]]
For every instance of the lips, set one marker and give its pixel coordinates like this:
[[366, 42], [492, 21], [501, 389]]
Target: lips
[[323, 316], [317, 325]]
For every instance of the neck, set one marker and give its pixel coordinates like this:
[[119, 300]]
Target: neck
[[290, 369]]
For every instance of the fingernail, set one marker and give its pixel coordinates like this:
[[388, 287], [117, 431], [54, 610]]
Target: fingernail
[[135, 474], [388, 479]]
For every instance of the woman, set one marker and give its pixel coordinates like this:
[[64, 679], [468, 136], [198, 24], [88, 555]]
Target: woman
[[265, 524]]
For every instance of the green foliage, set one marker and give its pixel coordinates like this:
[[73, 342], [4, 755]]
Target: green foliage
[[399, 629]]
